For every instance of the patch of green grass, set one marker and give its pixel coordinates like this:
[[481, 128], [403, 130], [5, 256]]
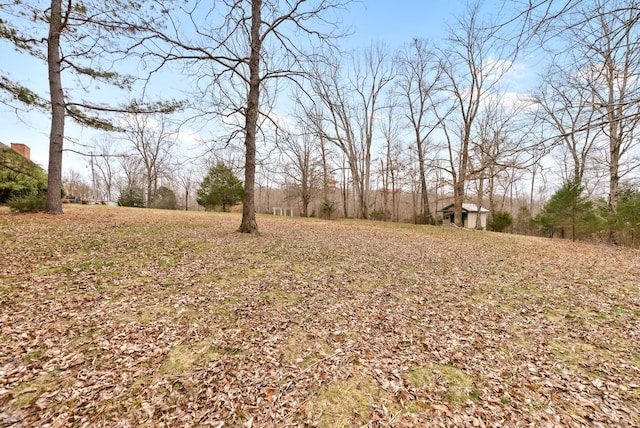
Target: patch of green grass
[[24, 399], [26, 392], [34, 355], [179, 360], [279, 298], [53, 270], [169, 260], [420, 377], [185, 358], [198, 248], [91, 244], [347, 402], [7, 289], [579, 355], [459, 386], [618, 309], [6, 236]]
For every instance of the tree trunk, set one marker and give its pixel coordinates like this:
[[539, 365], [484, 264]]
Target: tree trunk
[[458, 199], [425, 213], [56, 135], [479, 204], [149, 189], [614, 182], [249, 224]]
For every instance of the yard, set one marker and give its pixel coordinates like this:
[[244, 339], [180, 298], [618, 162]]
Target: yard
[[128, 317]]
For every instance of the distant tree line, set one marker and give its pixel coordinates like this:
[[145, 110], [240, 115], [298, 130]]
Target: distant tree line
[[378, 132]]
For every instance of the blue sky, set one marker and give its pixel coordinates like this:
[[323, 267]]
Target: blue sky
[[399, 21], [391, 22]]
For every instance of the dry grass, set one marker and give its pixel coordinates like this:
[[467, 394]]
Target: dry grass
[[113, 316]]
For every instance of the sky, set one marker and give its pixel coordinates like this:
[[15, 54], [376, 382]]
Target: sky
[[392, 22]]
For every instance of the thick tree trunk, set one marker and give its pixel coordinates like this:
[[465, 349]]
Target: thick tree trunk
[[56, 135], [479, 204], [149, 190], [425, 213], [461, 181], [458, 200], [249, 224]]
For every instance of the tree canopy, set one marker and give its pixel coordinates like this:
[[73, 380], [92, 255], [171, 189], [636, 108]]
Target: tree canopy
[[220, 188]]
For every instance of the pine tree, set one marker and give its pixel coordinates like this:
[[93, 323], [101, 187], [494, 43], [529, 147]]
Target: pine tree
[[220, 188], [569, 214]]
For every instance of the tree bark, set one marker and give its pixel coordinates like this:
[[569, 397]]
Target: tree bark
[[425, 213], [249, 224], [56, 135]]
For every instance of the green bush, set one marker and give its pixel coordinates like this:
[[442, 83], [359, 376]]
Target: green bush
[[28, 204], [380, 215], [626, 220], [19, 177], [164, 198], [131, 197], [328, 209], [502, 220]]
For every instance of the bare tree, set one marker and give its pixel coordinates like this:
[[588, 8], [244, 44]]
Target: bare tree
[[241, 46], [77, 186], [501, 143], [105, 162], [152, 139], [418, 77], [186, 180], [132, 172], [568, 111], [347, 110], [607, 41], [471, 68], [391, 163], [302, 166]]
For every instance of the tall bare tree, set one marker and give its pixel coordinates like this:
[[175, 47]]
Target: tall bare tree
[[152, 139], [569, 112], [501, 143], [105, 162], [236, 48], [391, 163], [607, 42], [417, 80], [132, 173], [347, 111], [302, 166], [471, 67]]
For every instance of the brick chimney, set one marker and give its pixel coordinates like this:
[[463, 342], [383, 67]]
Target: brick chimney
[[23, 149]]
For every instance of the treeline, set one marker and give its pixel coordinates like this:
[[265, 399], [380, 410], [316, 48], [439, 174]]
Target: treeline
[[513, 112]]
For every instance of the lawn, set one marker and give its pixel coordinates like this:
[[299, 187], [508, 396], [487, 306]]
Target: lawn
[[132, 317]]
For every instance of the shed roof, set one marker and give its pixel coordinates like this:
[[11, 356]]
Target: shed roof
[[468, 207]]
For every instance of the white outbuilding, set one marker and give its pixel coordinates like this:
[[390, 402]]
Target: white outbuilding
[[471, 216]]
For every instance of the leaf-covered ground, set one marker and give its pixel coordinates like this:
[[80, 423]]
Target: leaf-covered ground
[[125, 317]]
